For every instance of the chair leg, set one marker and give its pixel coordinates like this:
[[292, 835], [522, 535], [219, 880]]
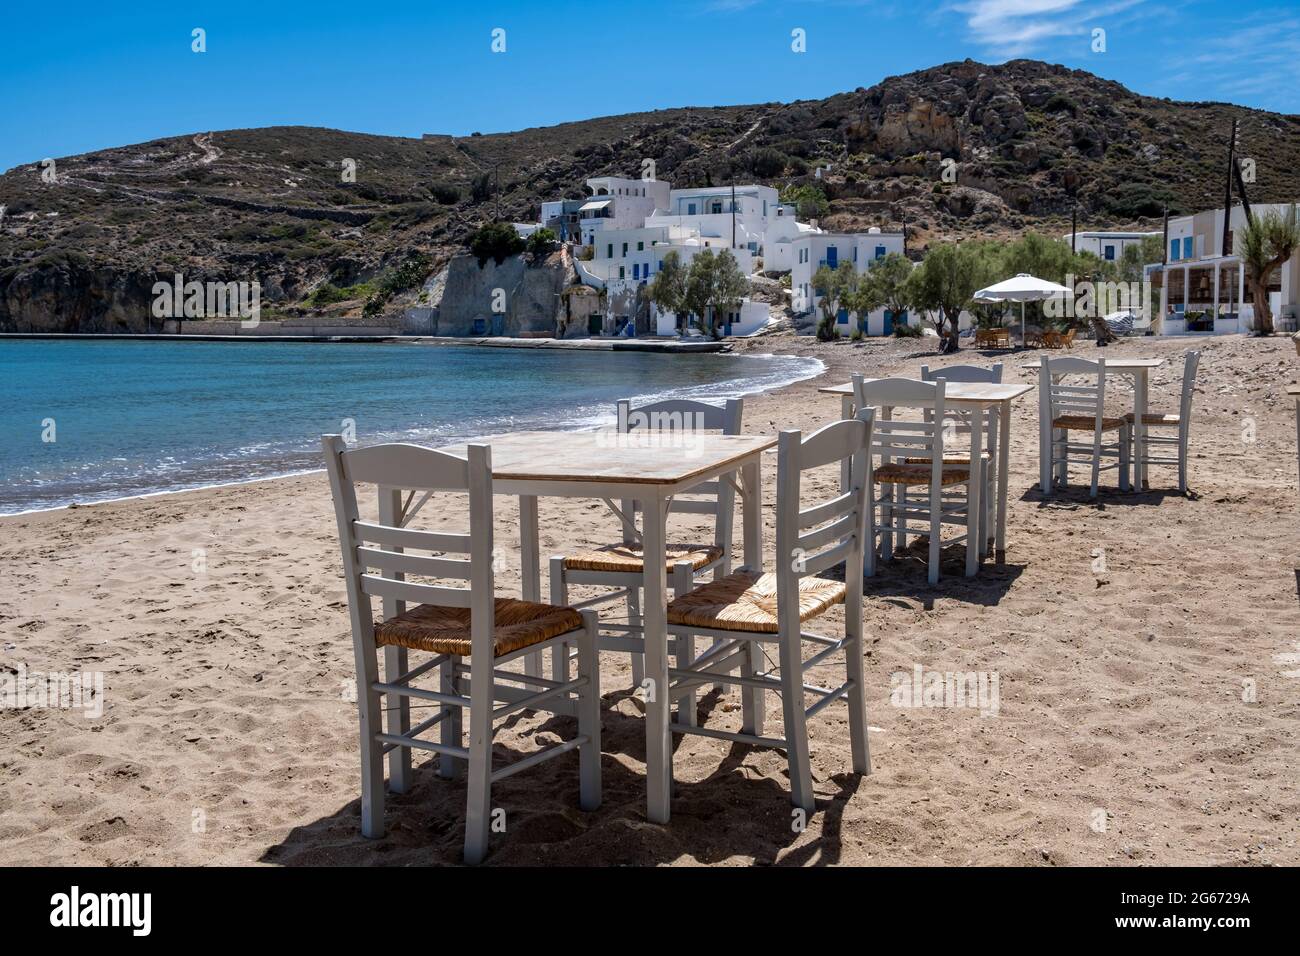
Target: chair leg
[[589, 713], [478, 813], [1096, 466], [887, 519], [450, 729], [869, 545], [1125, 457], [856, 697], [399, 721], [796, 727], [936, 535], [1182, 463], [900, 503], [372, 757], [683, 579], [559, 598], [973, 520], [634, 618]]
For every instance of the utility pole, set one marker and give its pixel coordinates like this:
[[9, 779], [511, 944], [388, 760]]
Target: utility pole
[[1227, 190], [496, 172], [733, 215], [1074, 229]]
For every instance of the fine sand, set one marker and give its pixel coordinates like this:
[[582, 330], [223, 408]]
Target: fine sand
[[1126, 732]]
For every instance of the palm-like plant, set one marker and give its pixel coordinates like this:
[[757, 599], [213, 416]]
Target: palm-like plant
[[1265, 244]]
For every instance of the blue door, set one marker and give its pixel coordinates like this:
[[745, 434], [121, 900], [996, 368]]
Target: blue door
[[843, 317], [832, 256], [889, 323]]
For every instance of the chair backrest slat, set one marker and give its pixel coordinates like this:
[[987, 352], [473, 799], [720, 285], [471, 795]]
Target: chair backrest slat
[[810, 540], [898, 438], [963, 373], [377, 554], [683, 416]]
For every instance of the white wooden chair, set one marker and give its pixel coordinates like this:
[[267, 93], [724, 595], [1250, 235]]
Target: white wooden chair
[[454, 625], [911, 454], [1081, 406], [962, 419], [621, 566], [746, 608], [1181, 421]]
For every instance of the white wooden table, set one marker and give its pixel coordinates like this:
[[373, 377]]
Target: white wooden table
[[1136, 367], [1294, 392], [979, 395], [649, 468]]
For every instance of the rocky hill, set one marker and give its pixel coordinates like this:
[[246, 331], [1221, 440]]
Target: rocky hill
[[82, 243]]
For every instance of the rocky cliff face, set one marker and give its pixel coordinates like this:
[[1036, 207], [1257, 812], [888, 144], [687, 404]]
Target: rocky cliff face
[[506, 299], [1022, 143]]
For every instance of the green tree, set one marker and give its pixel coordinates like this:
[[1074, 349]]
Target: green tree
[[728, 288], [541, 242], [945, 282], [886, 284], [1265, 244], [834, 286], [809, 200], [699, 285], [496, 241], [667, 289]]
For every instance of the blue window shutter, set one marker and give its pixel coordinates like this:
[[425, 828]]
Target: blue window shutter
[[1173, 248], [1187, 247], [880, 252]]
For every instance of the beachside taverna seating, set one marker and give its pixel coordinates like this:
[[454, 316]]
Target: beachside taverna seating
[[914, 453], [621, 565], [456, 624], [1080, 406], [1182, 420], [741, 611]]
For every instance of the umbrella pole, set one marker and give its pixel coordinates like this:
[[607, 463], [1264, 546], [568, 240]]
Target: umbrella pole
[[1022, 324]]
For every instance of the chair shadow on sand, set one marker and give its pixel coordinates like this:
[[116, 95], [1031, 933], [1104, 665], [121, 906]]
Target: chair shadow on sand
[[1072, 496], [736, 813]]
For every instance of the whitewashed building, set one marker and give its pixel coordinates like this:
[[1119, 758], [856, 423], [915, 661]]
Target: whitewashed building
[[1202, 288], [1108, 246], [814, 250], [618, 203]]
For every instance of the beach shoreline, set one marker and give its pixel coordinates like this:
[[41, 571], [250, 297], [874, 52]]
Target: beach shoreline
[[218, 620]]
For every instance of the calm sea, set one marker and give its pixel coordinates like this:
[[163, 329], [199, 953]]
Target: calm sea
[[134, 417]]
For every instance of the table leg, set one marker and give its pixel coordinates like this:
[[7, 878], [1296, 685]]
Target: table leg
[[1044, 434], [1004, 466], [655, 629], [974, 497], [530, 569], [752, 702], [1139, 429], [846, 412]]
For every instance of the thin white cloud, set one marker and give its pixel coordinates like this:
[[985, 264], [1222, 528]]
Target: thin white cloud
[[1012, 28]]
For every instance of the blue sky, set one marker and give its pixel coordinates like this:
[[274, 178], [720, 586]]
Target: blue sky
[[80, 76]]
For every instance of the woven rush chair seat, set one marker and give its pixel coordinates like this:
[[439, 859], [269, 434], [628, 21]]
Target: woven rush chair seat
[[744, 601], [911, 474], [445, 630], [630, 558], [956, 460], [1155, 419], [1086, 423]]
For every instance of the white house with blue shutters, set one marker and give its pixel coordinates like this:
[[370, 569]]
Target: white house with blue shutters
[[1108, 246], [811, 251], [1202, 288]]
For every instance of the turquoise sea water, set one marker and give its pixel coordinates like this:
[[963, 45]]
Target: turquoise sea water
[[134, 417]]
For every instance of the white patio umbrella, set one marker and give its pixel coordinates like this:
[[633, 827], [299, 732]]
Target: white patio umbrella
[[1021, 288]]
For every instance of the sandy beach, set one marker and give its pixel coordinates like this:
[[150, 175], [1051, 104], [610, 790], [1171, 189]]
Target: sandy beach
[[1146, 647]]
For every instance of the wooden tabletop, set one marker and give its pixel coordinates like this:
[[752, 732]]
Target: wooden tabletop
[[1119, 364], [964, 392], [641, 457]]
